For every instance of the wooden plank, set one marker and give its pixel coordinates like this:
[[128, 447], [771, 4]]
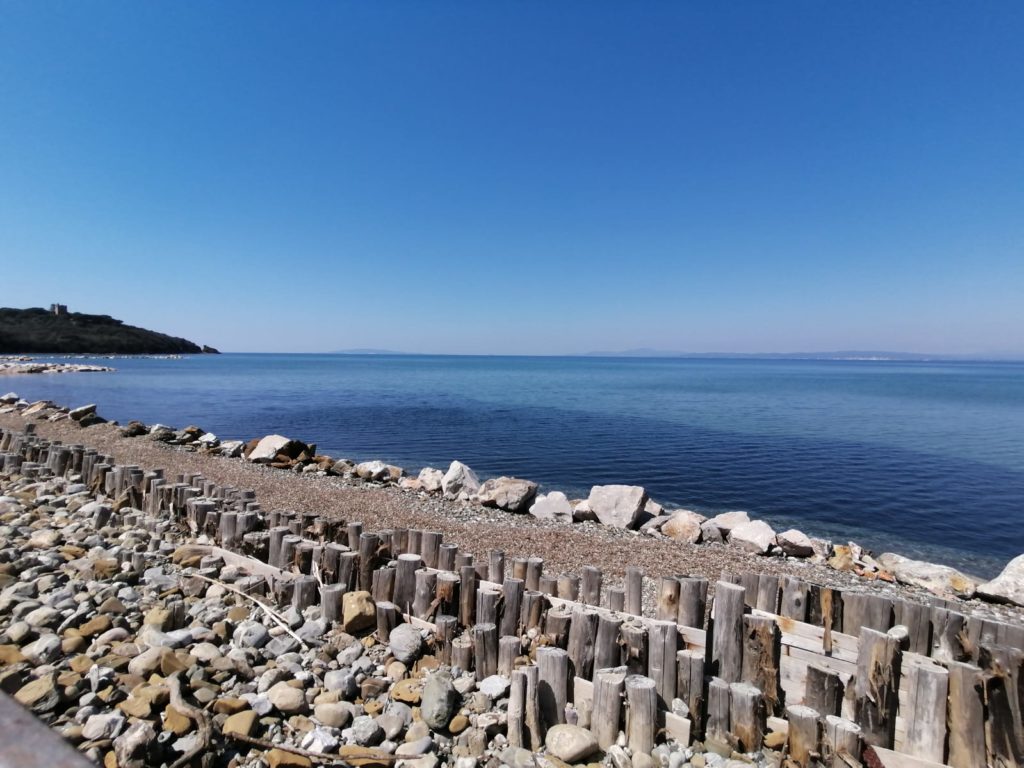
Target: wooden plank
[[879, 757], [926, 712]]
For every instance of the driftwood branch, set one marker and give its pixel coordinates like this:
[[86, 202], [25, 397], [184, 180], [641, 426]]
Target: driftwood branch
[[266, 609], [201, 719], [369, 755]]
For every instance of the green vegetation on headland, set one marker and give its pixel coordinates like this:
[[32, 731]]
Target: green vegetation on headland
[[57, 331]]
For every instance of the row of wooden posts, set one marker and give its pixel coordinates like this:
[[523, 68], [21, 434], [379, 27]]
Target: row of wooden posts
[[834, 670]]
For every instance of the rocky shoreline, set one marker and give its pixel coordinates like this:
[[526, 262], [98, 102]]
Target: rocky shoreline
[[125, 631], [24, 365], [621, 507]]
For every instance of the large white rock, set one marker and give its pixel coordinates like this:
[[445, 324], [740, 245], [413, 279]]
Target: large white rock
[[796, 543], [552, 506], [459, 478], [617, 505], [267, 448], [684, 525], [377, 471], [940, 579], [1008, 586], [508, 493], [726, 521], [757, 537], [431, 479], [570, 743]]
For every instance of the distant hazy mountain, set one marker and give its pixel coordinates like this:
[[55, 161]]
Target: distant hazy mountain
[[367, 351], [55, 332]]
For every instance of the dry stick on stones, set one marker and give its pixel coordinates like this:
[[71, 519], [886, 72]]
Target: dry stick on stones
[[366, 757], [201, 719], [275, 617]]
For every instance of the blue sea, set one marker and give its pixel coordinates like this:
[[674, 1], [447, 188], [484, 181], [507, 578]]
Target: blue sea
[[925, 459]]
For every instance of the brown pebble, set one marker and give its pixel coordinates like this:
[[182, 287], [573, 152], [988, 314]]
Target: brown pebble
[[458, 724], [230, 706], [176, 722], [279, 757]]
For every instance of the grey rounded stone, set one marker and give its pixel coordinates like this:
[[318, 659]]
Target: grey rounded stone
[[406, 643], [366, 732], [438, 701]]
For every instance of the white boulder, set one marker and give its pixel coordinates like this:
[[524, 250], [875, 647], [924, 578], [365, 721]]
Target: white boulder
[[431, 479], [683, 526], [552, 506], [1008, 586], [508, 493], [268, 448], [458, 479], [617, 505], [756, 537], [796, 543], [940, 579]]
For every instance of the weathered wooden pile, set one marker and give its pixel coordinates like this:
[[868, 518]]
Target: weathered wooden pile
[[833, 678]]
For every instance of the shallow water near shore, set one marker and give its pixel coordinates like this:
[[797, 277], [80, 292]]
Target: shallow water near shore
[[925, 459]]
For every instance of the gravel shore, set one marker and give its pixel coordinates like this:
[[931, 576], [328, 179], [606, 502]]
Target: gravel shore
[[565, 548]]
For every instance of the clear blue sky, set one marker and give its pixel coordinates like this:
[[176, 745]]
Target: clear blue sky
[[529, 177]]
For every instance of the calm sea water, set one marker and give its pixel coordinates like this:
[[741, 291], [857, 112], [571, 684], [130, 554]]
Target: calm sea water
[[924, 459]]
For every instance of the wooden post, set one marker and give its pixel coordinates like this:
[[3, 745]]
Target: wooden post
[[634, 590], [609, 685], [519, 568], [768, 593], [727, 632], [761, 657], [823, 691], [667, 606], [467, 596], [446, 627], [794, 599], [841, 739], [405, 581], [947, 634], [534, 568], [690, 686], [461, 559], [863, 610], [431, 543], [532, 614], [548, 585], [917, 619], [925, 714], [641, 717], [330, 604], [747, 716], [387, 619], [305, 593], [557, 624], [718, 714], [616, 599], [582, 636], [512, 601], [368, 544], [516, 709], [876, 691], [446, 554], [355, 530], [607, 652], [414, 541], [496, 566], [347, 569], [462, 653], [509, 648], [568, 587], [661, 663], [591, 585], [804, 737], [383, 586], [634, 647], [533, 721], [485, 643], [426, 591], [447, 593], [487, 605], [693, 595], [966, 716], [1004, 697], [553, 685]]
